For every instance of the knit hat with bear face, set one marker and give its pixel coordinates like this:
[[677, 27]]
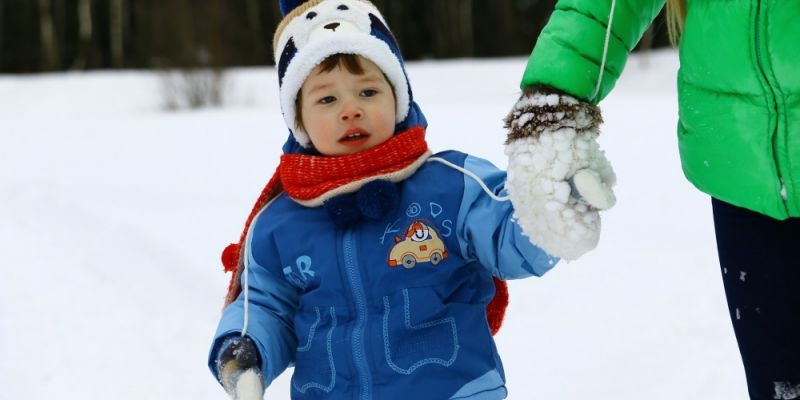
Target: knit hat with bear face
[[312, 31]]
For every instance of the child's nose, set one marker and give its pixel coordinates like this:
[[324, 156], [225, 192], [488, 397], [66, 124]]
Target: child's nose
[[350, 113]]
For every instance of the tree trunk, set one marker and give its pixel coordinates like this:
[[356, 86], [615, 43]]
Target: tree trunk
[[213, 43], [466, 38], [116, 22], [438, 30], [1, 35], [85, 34], [142, 48], [261, 43], [453, 32], [59, 12], [505, 30], [47, 39], [193, 54], [646, 45]]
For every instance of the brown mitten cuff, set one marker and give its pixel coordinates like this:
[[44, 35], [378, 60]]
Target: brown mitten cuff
[[542, 108]]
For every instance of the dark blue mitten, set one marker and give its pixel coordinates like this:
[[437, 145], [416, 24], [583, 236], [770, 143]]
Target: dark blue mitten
[[239, 368]]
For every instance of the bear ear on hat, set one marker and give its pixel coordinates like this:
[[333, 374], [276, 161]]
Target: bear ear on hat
[[288, 5]]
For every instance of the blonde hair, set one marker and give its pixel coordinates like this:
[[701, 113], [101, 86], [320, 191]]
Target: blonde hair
[[676, 16]]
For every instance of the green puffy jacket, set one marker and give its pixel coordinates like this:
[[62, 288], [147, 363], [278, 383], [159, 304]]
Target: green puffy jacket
[[738, 87]]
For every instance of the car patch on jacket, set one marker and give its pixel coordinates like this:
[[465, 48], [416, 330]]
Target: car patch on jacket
[[421, 243]]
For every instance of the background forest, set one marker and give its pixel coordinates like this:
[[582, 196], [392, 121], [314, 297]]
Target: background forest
[[57, 35]]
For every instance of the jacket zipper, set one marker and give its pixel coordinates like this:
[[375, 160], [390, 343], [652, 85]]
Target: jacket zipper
[[357, 288], [762, 71]]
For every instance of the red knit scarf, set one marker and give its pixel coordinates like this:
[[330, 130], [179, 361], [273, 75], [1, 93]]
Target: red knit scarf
[[310, 180]]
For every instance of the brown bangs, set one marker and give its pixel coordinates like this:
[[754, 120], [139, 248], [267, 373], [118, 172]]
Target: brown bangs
[[350, 62]]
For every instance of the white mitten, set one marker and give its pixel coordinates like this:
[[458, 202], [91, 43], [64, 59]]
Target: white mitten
[[558, 178], [248, 386]]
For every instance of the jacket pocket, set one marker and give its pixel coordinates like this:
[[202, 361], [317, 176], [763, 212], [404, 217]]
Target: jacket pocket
[[417, 331], [314, 362]]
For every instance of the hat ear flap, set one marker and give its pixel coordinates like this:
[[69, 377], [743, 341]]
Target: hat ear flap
[[288, 5]]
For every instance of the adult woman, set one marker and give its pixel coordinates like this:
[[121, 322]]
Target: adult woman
[[739, 138]]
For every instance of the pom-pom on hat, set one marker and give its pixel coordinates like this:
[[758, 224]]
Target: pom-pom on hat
[[313, 30]]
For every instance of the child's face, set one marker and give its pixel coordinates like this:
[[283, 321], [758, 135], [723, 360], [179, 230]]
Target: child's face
[[345, 113]]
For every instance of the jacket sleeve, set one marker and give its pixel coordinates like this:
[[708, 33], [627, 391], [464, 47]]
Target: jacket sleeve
[[569, 50], [488, 233], [272, 305]]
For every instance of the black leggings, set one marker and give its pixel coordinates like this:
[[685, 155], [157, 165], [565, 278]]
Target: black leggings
[[760, 260]]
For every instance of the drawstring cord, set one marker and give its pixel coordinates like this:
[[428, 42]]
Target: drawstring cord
[[246, 300], [246, 290], [605, 50], [247, 272], [473, 176]]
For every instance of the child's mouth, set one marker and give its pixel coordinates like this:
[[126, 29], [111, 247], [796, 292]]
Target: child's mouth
[[354, 139]]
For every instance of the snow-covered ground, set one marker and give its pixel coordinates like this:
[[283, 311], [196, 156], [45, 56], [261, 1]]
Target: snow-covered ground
[[113, 215]]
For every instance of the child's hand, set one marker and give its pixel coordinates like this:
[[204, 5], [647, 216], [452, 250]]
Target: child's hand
[[558, 178], [239, 369]]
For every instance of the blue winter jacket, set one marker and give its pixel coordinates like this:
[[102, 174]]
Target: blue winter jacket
[[394, 309]]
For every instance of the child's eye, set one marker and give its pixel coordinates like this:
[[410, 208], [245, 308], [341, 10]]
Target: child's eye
[[369, 92], [327, 100]]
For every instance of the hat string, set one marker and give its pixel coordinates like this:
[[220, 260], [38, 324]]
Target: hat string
[[605, 50], [473, 176]]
